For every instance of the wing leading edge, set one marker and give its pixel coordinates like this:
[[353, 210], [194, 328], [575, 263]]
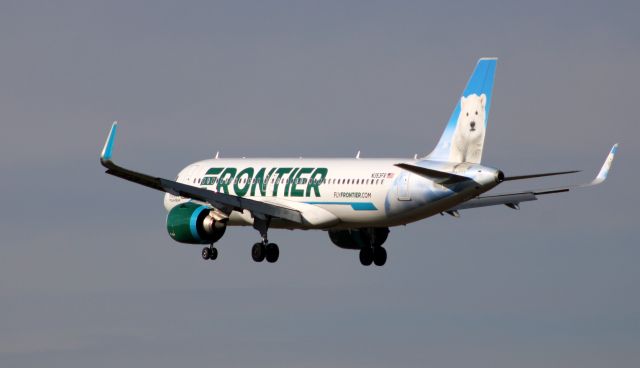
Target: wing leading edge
[[224, 202], [513, 200]]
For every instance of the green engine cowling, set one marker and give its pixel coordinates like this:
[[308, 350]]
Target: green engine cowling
[[190, 223]]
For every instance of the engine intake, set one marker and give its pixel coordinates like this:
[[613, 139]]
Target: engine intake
[[192, 223]]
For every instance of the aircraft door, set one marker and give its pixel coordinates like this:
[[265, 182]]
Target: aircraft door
[[404, 194]]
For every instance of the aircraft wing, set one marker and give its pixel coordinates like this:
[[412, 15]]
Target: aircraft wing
[[218, 200], [513, 200]]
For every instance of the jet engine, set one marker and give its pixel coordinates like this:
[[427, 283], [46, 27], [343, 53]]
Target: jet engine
[[359, 238], [192, 223]]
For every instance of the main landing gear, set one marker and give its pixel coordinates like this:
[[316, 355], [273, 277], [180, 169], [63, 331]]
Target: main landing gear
[[261, 251], [264, 250], [209, 253], [373, 254]]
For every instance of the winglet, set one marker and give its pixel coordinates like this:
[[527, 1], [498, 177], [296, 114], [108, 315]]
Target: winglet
[[108, 144], [604, 171]]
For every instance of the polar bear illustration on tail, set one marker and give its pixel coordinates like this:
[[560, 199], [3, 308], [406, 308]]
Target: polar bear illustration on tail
[[468, 137]]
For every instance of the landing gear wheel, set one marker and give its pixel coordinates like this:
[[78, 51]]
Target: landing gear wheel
[[272, 252], [258, 252], [213, 253], [206, 253], [366, 256], [379, 256]]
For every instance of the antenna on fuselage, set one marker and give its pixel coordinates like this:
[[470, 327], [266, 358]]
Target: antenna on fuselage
[[358, 155], [415, 156], [217, 155]]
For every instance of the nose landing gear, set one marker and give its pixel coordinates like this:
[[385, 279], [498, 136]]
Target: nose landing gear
[[209, 253]]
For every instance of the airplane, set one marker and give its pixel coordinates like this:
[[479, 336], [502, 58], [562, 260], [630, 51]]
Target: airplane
[[355, 200]]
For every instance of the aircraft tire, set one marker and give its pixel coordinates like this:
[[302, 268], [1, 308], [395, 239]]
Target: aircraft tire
[[366, 256], [206, 253], [379, 256], [272, 252], [213, 253], [258, 252]]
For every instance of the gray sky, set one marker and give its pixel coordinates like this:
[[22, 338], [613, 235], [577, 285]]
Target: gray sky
[[89, 277]]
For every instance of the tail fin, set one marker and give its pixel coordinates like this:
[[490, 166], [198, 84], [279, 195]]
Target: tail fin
[[463, 137]]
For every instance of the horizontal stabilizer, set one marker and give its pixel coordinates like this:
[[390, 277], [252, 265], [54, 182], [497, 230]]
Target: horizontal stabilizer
[[435, 175]]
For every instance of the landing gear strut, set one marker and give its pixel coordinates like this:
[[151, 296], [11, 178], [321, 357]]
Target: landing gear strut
[[264, 250]]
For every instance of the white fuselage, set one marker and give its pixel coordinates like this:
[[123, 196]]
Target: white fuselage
[[337, 193]]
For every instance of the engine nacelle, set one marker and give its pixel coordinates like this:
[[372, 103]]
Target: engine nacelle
[[191, 223], [359, 238]]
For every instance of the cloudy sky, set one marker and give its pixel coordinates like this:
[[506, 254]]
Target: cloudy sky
[[89, 277]]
